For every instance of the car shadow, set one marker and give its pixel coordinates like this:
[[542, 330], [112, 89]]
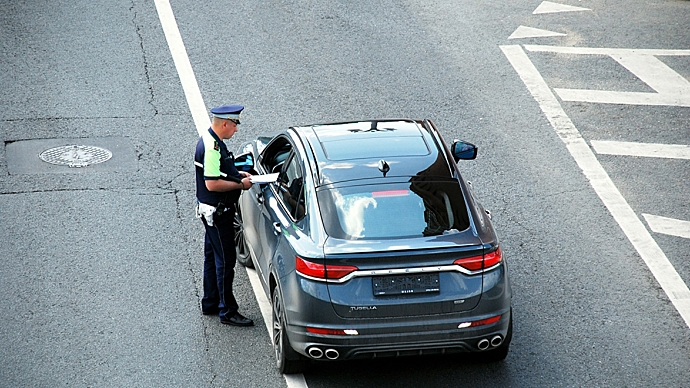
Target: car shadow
[[461, 370]]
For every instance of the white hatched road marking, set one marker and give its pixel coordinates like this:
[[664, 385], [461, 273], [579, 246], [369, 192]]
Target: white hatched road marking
[[657, 224], [529, 32], [202, 122], [550, 7], [670, 226], [655, 259], [671, 88], [649, 150]]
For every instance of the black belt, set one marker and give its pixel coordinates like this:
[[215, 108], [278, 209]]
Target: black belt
[[222, 210]]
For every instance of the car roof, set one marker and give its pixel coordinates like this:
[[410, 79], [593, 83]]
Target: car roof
[[356, 150]]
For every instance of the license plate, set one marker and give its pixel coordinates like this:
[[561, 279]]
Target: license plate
[[406, 284]]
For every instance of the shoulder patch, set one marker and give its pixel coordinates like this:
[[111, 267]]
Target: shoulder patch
[[216, 146]]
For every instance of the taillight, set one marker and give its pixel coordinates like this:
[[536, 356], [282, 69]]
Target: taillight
[[478, 263], [323, 331], [492, 258], [322, 272], [481, 322], [474, 263], [309, 268]]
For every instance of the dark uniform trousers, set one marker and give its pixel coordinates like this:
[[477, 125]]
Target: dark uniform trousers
[[219, 266]]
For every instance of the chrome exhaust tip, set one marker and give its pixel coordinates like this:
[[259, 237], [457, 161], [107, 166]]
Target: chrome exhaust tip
[[496, 341], [315, 352], [332, 354], [483, 344]]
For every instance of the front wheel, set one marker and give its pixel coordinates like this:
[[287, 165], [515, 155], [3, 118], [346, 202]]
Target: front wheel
[[241, 247], [287, 360]]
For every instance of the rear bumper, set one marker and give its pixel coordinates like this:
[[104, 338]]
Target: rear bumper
[[308, 305], [408, 338]]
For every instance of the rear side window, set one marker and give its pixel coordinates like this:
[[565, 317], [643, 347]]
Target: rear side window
[[420, 208]]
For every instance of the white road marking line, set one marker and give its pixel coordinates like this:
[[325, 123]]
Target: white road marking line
[[655, 259], [202, 122], [670, 226], [625, 98], [293, 381], [672, 89], [530, 32], [649, 150], [604, 51], [549, 7], [183, 66], [264, 304]]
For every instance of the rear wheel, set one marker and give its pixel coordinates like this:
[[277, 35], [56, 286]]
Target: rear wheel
[[241, 247], [287, 360]]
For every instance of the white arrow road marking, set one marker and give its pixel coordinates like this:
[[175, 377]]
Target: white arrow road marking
[[529, 32], [672, 88], [650, 150], [655, 259], [549, 7], [670, 226], [202, 122]]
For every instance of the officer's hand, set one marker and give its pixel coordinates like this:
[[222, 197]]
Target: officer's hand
[[246, 183], [245, 174]]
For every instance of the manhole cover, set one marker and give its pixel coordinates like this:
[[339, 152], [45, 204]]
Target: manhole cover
[[75, 155]]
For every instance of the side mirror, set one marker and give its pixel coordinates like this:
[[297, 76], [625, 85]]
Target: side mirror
[[463, 150], [244, 162]]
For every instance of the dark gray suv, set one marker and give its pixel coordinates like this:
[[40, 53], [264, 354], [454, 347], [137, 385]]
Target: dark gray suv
[[371, 244]]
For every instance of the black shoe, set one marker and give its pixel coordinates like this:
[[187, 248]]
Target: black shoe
[[210, 312], [237, 320]]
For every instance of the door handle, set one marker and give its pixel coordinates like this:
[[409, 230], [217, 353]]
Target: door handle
[[260, 197], [276, 228]]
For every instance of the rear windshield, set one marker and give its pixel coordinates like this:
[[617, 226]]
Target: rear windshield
[[375, 147], [420, 208]]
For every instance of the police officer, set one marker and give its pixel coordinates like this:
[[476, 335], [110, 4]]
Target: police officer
[[218, 187]]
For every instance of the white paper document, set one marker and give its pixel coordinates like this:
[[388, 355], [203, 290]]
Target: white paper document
[[267, 178]]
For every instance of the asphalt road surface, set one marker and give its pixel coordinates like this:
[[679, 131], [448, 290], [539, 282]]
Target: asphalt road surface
[[580, 109]]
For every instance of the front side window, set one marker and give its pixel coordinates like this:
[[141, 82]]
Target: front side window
[[427, 208], [275, 155], [291, 187]]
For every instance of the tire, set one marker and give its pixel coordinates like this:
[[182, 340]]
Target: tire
[[287, 360], [501, 352], [243, 254]]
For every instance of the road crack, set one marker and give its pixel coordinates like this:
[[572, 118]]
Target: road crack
[[138, 28]]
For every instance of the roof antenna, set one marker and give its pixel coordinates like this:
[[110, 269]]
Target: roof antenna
[[384, 167]]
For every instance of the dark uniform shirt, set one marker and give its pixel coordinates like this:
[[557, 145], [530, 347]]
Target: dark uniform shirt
[[218, 163]]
